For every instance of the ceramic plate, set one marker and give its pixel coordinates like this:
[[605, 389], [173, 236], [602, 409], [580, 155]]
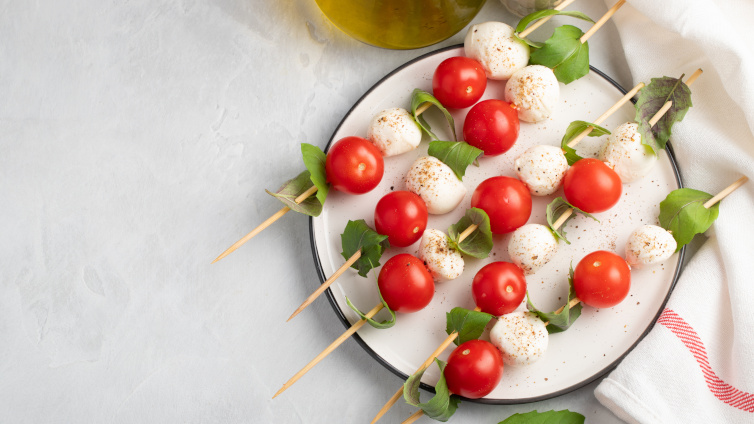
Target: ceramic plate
[[600, 338]]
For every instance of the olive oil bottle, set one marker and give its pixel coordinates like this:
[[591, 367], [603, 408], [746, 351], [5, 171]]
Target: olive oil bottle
[[400, 24]]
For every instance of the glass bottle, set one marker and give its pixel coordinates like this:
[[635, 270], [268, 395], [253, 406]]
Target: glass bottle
[[400, 24]]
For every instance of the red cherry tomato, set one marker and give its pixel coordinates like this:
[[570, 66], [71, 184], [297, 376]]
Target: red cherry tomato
[[354, 165], [402, 217], [491, 125], [498, 288], [474, 369], [592, 186], [405, 283], [459, 82], [602, 279], [506, 200]]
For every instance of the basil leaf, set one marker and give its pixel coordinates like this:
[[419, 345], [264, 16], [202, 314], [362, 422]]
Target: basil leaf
[[549, 417], [684, 215], [526, 20], [358, 236], [419, 97], [575, 128], [555, 209], [468, 324], [479, 243], [314, 160], [378, 325], [564, 53], [651, 99], [558, 321], [291, 189], [458, 155], [442, 406]]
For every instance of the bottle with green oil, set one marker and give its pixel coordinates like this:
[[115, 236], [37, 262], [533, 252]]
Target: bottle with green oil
[[400, 24]]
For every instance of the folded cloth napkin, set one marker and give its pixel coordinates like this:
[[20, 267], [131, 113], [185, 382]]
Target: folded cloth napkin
[[697, 363]]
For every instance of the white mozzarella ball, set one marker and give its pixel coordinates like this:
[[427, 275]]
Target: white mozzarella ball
[[492, 45], [542, 169], [434, 181], [394, 131], [443, 261], [649, 245], [534, 91], [521, 337], [624, 152], [531, 247]]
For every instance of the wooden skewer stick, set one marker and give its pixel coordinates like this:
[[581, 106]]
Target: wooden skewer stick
[[542, 21], [303, 196], [348, 333], [416, 415], [354, 328], [424, 106], [660, 113], [607, 114], [355, 257], [609, 14], [444, 345], [728, 190], [625, 99], [285, 209]]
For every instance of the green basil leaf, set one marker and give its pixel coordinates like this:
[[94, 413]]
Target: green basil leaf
[[314, 160], [380, 325], [442, 406], [291, 189], [684, 215], [564, 53], [468, 324], [419, 97], [558, 321], [555, 209], [479, 243], [458, 155], [575, 128], [526, 20], [358, 236], [651, 99], [549, 417]]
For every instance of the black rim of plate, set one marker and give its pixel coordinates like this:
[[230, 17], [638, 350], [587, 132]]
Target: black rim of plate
[[388, 365]]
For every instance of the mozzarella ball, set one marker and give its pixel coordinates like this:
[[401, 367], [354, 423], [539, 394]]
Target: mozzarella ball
[[531, 247], [492, 45], [534, 91], [624, 152], [394, 131], [542, 169], [521, 337], [443, 261], [649, 245], [433, 181]]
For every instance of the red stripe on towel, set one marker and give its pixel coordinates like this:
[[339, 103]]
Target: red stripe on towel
[[722, 390]]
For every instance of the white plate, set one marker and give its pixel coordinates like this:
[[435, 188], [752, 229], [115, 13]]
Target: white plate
[[600, 338]]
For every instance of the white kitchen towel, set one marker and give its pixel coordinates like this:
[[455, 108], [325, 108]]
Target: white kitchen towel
[[697, 363]]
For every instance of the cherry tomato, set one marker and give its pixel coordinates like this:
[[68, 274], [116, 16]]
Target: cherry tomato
[[602, 279], [459, 82], [491, 125], [354, 165], [402, 217], [498, 288], [474, 369], [592, 186], [506, 200], [405, 283]]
